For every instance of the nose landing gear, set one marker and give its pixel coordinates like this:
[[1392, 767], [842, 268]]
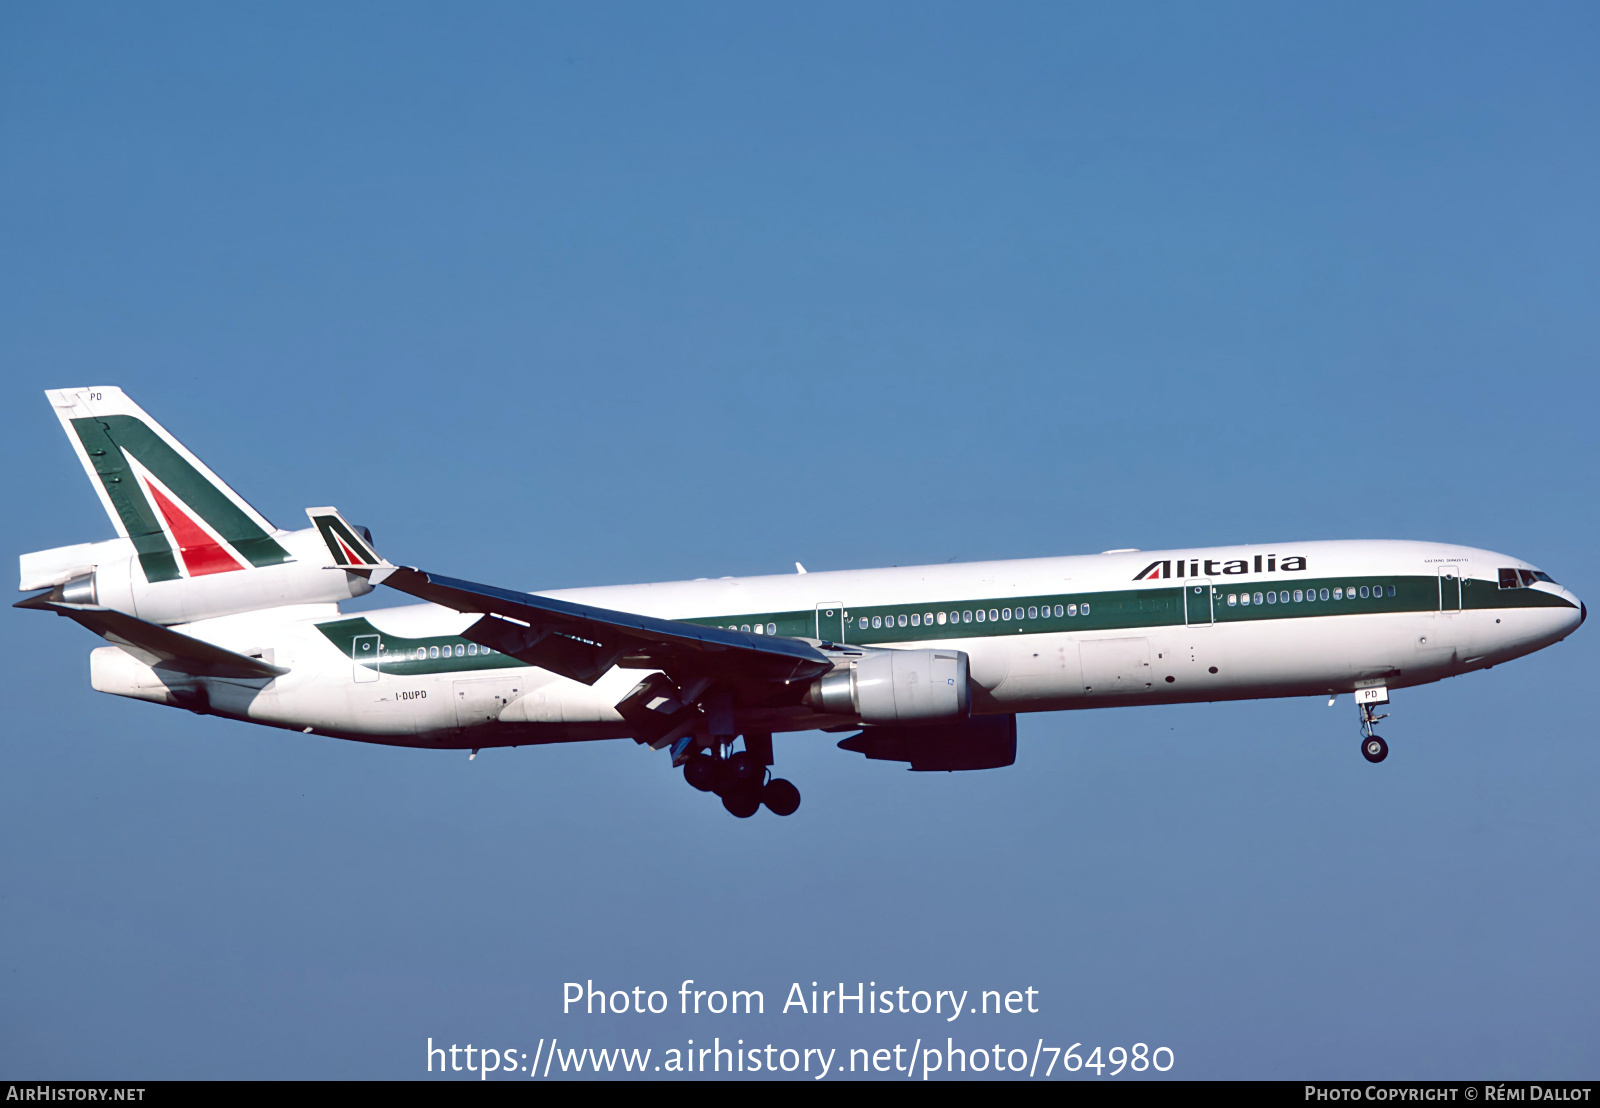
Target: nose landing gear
[[742, 779], [1373, 748]]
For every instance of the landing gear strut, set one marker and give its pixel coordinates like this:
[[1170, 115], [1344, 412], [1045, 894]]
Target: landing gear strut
[[742, 779], [1373, 748]]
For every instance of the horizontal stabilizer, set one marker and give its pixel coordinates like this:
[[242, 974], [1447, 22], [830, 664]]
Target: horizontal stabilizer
[[155, 645]]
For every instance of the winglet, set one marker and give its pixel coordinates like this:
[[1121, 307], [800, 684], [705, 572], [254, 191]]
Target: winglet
[[351, 549]]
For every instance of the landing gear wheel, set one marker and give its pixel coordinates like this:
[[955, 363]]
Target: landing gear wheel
[[1374, 749], [701, 772], [744, 772], [743, 803], [780, 797]]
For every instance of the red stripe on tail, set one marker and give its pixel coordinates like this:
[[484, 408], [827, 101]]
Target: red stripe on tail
[[201, 553], [354, 558]]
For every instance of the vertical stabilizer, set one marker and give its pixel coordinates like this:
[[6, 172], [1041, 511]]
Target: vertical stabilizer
[[182, 519]]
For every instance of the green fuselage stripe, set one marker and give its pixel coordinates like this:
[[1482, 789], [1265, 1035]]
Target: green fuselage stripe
[[1112, 610]]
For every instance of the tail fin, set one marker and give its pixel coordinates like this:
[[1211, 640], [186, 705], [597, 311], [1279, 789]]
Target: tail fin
[[350, 546], [183, 520]]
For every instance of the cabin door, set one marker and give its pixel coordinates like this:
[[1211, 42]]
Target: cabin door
[[830, 622], [1449, 589], [364, 652]]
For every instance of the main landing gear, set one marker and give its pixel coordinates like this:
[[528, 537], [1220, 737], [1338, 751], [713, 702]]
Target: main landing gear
[[743, 779], [1373, 748]]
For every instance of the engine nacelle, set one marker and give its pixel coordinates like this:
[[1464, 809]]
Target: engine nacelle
[[109, 574], [889, 686], [982, 742]]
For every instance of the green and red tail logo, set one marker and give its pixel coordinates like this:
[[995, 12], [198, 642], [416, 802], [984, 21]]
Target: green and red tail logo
[[182, 519]]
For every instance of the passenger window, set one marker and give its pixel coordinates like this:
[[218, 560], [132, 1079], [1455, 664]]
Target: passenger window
[[1258, 598], [1338, 594], [1324, 594], [877, 621], [1005, 614], [772, 628], [1033, 612], [433, 651], [1298, 596], [902, 621], [916, 620], [1391, 590], [1058, 611], [1363, 592], [1072, 609], [966, 617], [1233, 600], [864, 623], [941, 619], [981, 616], [1272, 598], [1086, 609], [461, 651], [993, 615], [1350, 593]]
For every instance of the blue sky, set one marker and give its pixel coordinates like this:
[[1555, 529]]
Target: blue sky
[[559, 295]]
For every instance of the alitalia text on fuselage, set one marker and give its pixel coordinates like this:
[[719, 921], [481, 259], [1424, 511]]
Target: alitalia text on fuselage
[[1193, 565]]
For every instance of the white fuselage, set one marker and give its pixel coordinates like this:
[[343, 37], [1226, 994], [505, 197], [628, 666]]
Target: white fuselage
[[1071, 632]]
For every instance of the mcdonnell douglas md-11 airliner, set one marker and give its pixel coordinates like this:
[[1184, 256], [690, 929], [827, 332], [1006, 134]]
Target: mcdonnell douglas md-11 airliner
[[211, 608]]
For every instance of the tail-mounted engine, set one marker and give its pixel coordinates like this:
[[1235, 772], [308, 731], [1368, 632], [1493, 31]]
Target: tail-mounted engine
[[110, 575]]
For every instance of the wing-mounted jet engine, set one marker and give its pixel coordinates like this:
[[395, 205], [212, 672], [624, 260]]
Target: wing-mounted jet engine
[[890, 686], [983, 742]]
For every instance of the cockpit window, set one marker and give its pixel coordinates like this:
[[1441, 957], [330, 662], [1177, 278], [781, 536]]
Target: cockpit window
[[1523, 578]]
